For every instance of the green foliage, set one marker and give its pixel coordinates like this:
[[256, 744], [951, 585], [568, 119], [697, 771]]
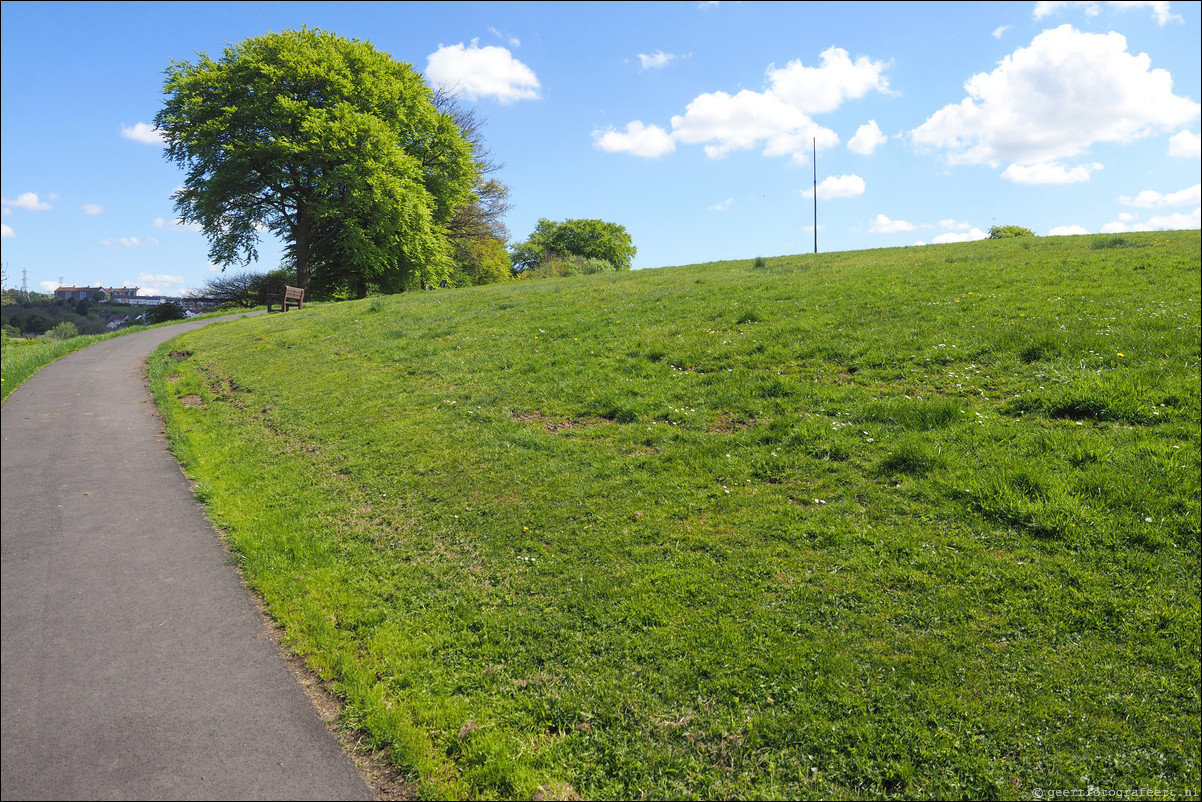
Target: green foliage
[[327, 143], [852, 525], [63, 331], [555, 266], [595, 239], [41, 313], [36, 323], [165, 312], [1009, 232], [480, 260]]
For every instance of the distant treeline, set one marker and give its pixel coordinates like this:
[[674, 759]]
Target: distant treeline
[[33, 314]]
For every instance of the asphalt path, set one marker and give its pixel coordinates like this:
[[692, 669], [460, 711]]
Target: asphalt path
[[135, 662]]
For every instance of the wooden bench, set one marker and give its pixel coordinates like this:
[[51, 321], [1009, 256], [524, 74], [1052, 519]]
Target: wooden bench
[[291, 295]]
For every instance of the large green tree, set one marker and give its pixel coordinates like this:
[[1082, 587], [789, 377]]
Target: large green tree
[[477, 230], [327, 143], [590, 239]]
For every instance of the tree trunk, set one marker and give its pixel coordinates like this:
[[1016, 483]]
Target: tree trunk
[[302, 254]]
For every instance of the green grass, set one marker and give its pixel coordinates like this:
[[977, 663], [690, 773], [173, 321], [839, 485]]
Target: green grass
[[897, 523]]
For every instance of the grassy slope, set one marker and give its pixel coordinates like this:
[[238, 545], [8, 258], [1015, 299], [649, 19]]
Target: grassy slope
[[905, 522]]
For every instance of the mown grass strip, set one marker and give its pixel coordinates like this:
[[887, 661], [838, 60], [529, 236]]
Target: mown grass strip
[[899, 523]]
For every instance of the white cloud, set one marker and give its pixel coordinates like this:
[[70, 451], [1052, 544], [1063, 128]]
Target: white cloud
[[129, 242], [92, 208], [160, 284], [1151, 199], [1049, 173], [968, 236], [1173, 222], [1185, 144], [482, 72], [1160, 8], [649, 141], [657, 60], [955, 225], [777, 119], [176, 225], [28, 201], [1054, 99], [883, 225], [815, 90], [838, 186], [867, 139], [747, 120], [142, 132], [160, 278], [513, 40], [1067, 231], [1178, 221], [1000, 31], [6, 230], [723, 206]]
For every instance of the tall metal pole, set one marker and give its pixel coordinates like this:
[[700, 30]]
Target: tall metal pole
[[815, 142]]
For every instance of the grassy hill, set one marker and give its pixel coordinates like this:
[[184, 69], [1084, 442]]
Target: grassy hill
[[894, 523]]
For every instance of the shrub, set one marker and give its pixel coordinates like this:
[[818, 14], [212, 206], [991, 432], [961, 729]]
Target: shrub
[[1009, 232], [555, 266], [63, 331]]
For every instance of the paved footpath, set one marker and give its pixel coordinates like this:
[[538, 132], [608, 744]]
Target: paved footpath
[[135, 663]]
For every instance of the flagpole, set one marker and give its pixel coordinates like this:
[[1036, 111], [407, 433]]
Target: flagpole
[[815, 141]]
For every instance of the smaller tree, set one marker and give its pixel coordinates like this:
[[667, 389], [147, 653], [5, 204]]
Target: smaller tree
[[246, 290], [1009, 232], [590, 239], [63, 331], [167, 310], [36, 324]]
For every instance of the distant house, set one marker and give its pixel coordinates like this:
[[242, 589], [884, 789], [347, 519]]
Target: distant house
[[77, 293], [122, 293], [116, 294]]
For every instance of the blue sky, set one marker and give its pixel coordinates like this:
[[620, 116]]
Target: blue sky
[[692, 124]]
